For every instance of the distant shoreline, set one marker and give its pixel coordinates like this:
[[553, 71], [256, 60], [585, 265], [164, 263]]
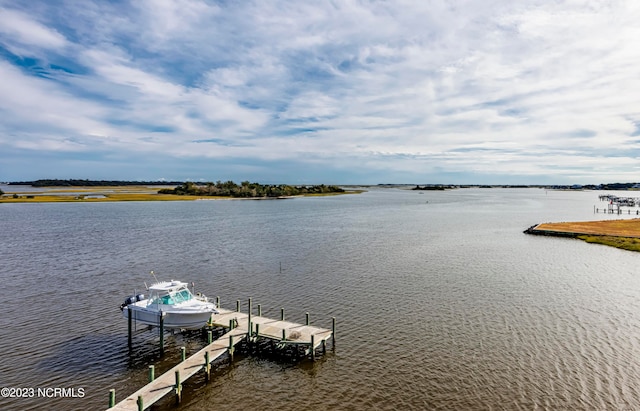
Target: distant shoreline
[[623, 234], [98, 194]]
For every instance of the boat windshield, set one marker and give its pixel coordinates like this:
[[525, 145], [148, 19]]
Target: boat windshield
[[172, 297]]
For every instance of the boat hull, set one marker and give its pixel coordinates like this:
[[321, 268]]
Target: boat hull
[[174, 318]]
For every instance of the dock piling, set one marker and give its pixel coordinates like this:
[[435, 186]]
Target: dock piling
[[207, 366], [129, 338], [178, 388], [259, 310], [237, 305], [249, 319], [161, 333], [286, 337], [333, 330], [257, 336]]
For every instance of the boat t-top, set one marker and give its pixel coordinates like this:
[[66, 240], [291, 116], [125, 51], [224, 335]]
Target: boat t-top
[[174, 301]]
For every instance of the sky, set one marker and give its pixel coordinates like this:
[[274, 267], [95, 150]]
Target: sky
[[311, 92]]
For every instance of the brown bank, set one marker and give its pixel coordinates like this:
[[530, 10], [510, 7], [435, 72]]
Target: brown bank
[[623, 234]]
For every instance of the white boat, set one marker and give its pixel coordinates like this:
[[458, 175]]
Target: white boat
[[172, 299]]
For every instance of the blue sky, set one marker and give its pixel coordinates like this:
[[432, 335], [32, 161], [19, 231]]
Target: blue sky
[[339, 92]]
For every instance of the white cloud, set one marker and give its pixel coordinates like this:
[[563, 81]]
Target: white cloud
[[22, 29], [35, 104], [460, 87]]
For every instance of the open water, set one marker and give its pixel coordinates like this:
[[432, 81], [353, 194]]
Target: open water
[[441, 301]]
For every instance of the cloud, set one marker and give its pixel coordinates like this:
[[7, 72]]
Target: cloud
[[355, 88], [22, 31]]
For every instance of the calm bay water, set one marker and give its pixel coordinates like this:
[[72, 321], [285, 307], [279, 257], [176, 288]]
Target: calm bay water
[[441, 301]]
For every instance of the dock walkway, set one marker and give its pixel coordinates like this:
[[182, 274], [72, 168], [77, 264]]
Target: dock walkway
[[166, 383], [238, 325], [283, 331]]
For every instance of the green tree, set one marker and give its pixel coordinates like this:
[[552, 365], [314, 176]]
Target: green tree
[[188, 188], [248, 189]]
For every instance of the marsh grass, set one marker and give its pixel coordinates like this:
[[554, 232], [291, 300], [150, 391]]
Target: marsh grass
[[623, 234], [86, 195], [114, 193], [625, 243], [615, 228]]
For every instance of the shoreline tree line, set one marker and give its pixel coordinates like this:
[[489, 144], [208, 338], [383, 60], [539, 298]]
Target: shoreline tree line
[[91, 183], [247, 189]]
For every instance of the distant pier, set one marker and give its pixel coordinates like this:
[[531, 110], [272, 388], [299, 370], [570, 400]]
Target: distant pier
[[615, 204], [239, 327]]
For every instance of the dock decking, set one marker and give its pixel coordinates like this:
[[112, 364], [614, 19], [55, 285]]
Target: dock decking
[[241, 326], [283, 331], [166, 383]]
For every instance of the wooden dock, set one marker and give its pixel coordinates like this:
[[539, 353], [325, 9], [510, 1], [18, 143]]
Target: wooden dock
[[282, 331], [240, 326], [171, 380]]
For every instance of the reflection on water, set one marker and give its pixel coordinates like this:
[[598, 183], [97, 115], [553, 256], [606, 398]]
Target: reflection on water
[[441, 301]]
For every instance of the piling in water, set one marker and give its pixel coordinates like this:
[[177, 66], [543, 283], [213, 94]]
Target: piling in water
[[249, 319], [289, 346], [178, 388], [313, 348], [129, 327], [161, 333], [207, 366], [333, 330]]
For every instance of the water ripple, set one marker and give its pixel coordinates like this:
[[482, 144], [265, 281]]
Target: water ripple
[[445, 305]]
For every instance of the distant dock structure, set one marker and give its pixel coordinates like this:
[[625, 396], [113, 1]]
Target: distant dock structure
[[615, 204], [256, 331]]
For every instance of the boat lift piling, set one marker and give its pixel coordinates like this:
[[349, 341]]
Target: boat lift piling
[[239, 327], [161, 322], [129, 339]]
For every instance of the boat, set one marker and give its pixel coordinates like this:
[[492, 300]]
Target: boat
[[174, 301]]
